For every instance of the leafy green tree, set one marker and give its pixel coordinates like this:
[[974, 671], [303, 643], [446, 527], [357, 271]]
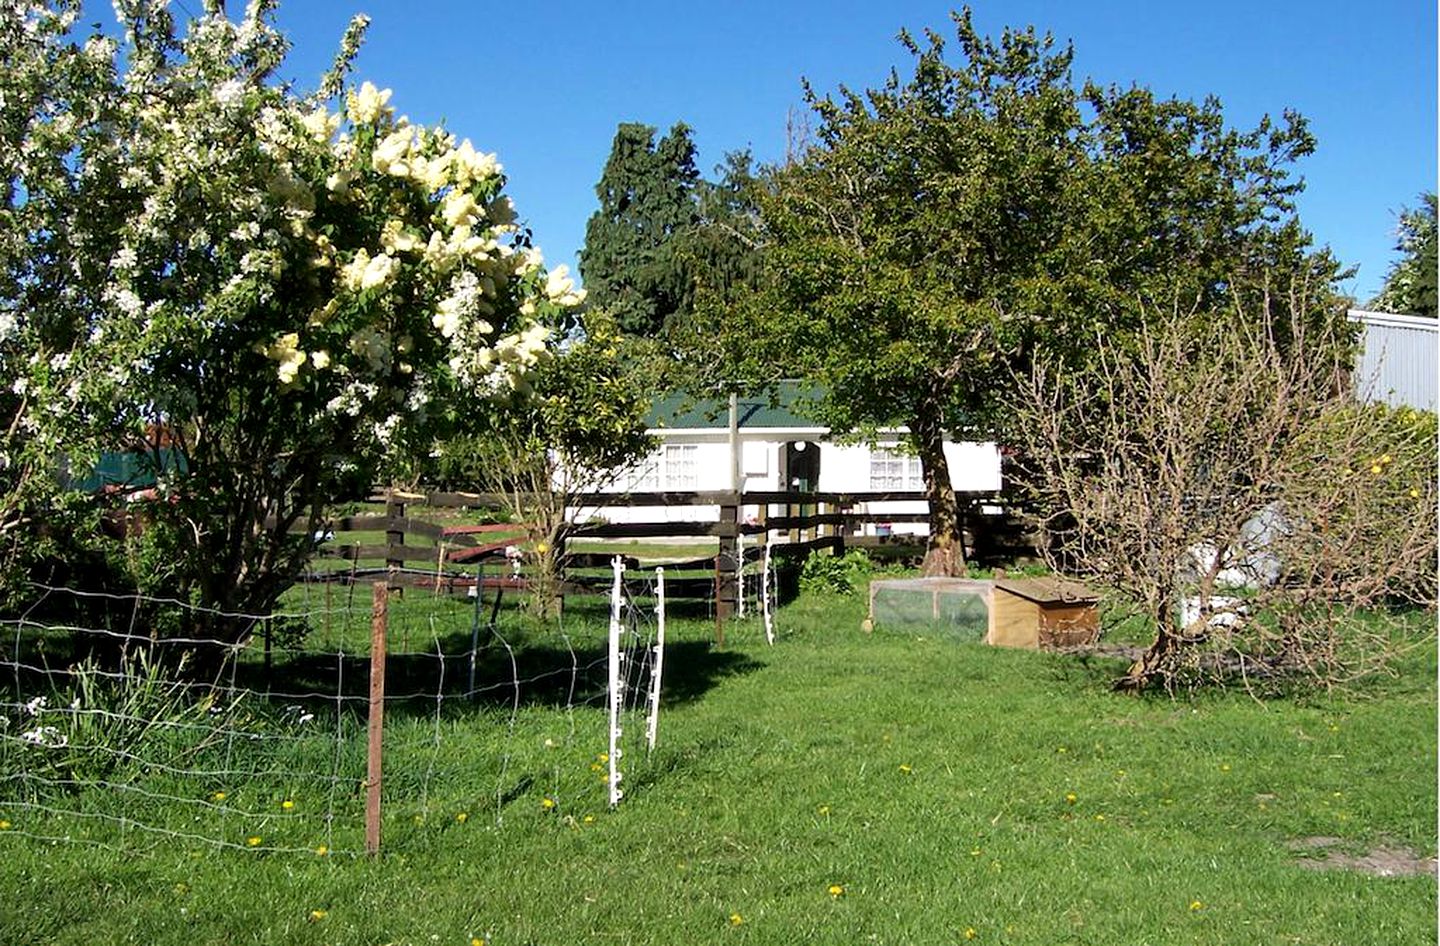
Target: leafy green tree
[[942, 228], [1410, 284], [298, 291], [647, 198], [585, 425]]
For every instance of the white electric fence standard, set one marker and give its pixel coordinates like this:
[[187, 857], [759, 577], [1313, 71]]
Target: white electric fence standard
[[767, 593], [636, 656], [615, 688], [652, 718]]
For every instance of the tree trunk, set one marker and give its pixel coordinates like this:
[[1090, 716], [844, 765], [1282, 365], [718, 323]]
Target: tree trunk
[[945, 550], [1155, 663]]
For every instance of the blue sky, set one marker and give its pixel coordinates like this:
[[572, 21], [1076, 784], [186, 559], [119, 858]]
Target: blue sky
[[545, 83]]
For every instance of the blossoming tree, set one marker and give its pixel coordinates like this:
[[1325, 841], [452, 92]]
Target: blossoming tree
[[289, 292]]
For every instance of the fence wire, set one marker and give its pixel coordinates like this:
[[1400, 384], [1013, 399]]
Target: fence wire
[[124, 722]]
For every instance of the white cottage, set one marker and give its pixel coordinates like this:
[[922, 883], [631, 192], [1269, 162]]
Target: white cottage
[[780, 449]]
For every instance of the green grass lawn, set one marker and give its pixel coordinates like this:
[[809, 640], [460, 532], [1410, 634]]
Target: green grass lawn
[[835, 788]]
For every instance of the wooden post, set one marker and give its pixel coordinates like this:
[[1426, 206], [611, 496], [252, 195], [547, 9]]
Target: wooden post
[[394, 529], [727, 564], [379, 616]]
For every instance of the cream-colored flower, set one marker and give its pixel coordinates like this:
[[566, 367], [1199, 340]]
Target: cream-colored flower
[[468, 165], [391, 154], [367, 272], [320, 359], [321, 124], [459, 209], [396, 239], [286, 351], [560, 288], [366, 105]]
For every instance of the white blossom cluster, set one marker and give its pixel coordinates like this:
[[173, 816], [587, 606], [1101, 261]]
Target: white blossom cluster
[[371, 266]]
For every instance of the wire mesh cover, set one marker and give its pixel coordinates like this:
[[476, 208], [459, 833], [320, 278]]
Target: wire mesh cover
[[955, 607]]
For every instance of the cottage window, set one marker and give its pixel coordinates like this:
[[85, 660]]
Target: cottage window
[[644, 477], [895, 471], [680, 465]]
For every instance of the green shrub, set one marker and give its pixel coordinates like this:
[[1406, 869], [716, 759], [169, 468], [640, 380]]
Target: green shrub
[[835, 574]]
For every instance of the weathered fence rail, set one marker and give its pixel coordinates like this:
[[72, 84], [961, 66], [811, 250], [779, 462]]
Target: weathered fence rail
[[796, 523]]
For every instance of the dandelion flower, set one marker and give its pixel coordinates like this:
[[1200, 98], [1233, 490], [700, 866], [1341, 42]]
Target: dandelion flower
[[1099, 817], [1414, 494], [287, 804], [462, 817], [588, 819], [218, 796], [317, 915], [1196, 905], [824, 811], [253, 840], [547, 803], [1375, 468], [736, 919], [1071, 798], [5, 825], [322, 850], [970, 932], [477, 941], [837, 891]]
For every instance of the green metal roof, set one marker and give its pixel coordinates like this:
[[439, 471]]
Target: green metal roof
[[135, 470], [678, 411]]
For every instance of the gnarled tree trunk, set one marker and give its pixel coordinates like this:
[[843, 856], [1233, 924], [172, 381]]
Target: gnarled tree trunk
[[945, 550]]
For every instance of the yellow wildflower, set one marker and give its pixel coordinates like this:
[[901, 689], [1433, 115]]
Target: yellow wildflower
[[322, 850], [287, 804], [253, 840], [1071, 798], [317, 915], [462, 817], [824, 811], [837, 891], [905, 769], [970, 932], [588, 819], [477, 941], [1196, 905], [5, 825], [547, 803], [218, 796], [736, 919]]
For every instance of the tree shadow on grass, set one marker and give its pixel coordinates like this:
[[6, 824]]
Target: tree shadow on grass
[[506, 673]]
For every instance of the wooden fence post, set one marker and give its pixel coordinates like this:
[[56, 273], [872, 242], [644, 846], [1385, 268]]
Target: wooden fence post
[[727, 565], [394, 530], [379, 618]]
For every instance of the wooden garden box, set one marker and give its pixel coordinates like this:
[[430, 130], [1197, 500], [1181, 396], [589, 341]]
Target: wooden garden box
[[1043, 613]]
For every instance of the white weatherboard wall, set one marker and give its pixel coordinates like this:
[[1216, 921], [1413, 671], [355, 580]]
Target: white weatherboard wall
[[1397, 364], [699, 459]]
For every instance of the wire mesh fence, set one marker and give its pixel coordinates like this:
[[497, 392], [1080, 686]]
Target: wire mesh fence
[[122, 726]]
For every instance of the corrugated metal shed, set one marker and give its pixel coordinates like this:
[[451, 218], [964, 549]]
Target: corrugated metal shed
[[1398, 361]]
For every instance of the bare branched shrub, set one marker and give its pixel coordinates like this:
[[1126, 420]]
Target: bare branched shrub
[[1217, 473]]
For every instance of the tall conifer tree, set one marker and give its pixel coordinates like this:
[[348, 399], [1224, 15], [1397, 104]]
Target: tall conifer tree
[[631, 263]]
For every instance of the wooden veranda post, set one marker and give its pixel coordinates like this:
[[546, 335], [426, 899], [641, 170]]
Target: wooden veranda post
[[379, 620]]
